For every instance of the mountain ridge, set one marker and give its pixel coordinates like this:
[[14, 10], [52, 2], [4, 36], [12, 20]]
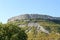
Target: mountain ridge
[[33, 16]]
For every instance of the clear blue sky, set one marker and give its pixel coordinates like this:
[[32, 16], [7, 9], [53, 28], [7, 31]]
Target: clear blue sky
[[10, 8]]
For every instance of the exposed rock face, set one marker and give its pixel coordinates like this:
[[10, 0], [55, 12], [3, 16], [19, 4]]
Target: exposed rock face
[[33, 16], [37, 26]]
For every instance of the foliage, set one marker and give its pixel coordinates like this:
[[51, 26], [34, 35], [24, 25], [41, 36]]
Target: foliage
[[11, 32]]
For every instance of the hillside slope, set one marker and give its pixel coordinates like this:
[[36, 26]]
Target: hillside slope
[[37, 25]]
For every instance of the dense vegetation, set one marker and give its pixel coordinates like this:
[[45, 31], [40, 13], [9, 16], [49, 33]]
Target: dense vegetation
[[11, 32]]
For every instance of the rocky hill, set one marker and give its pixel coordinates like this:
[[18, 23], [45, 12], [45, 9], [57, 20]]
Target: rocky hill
[[35, 17], [37, 25]]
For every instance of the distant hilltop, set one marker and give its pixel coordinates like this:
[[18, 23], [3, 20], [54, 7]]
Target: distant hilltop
[[33, 16]]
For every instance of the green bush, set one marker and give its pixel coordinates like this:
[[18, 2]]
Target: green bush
[[11, 32]]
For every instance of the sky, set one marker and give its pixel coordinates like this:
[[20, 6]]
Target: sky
[[11, 8]]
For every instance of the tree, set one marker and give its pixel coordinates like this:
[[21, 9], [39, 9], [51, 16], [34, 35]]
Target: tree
[[11, 32]]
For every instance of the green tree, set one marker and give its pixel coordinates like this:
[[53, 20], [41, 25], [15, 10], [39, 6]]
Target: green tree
[[11, 32]]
